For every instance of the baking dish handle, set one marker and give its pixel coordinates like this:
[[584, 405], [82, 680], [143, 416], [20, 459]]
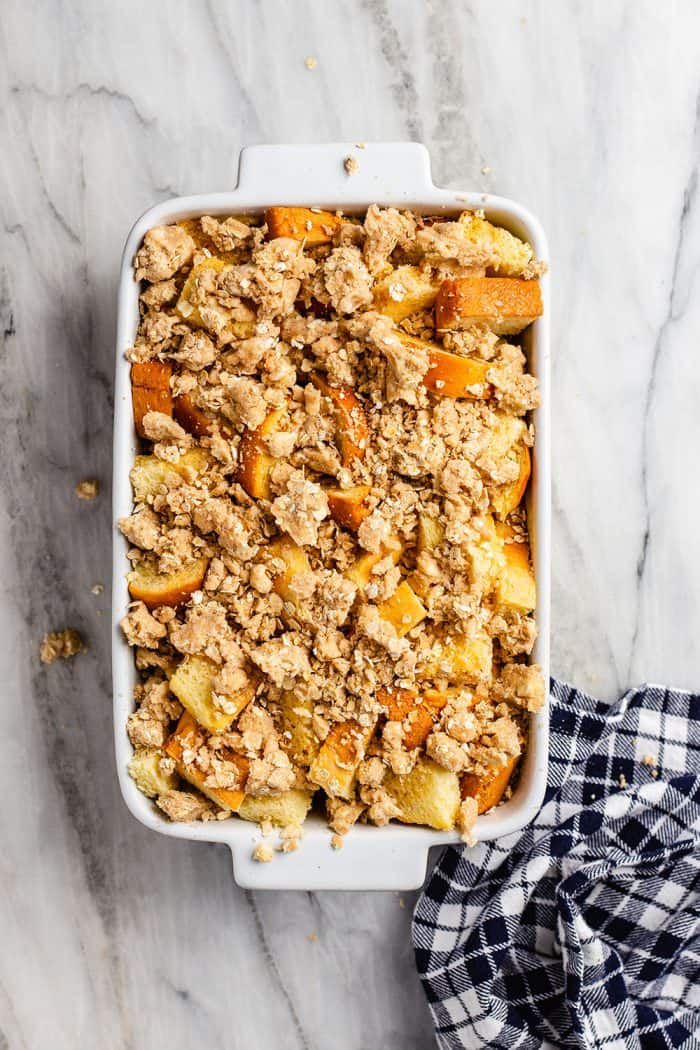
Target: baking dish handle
[[316, 174], [370, 859]]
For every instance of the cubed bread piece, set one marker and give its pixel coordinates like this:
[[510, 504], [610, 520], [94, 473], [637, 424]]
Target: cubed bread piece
[[349, 507], [485, 555], [431, 532], [166, 588], [360, 572], [460, 659], [342, 751], [150, 475], [293, 560], [488, 790], [185, 739], [193, 227], [428, 795], [310, 225], [289, 808], [505, 498], [417, 712], [150, 391], [404, 610], [254, 461], [187, 310], [191, 417], [507, 305], [510, 255], [516, 586], [352, 429], [144, 770], [405, 291], [451, 375], [238, 328], [192, 685], [298, 738]]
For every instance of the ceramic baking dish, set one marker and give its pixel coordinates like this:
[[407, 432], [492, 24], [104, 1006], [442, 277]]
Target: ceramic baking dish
[[393, 857]]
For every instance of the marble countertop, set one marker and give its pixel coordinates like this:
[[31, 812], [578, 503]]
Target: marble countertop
[[589, 114]]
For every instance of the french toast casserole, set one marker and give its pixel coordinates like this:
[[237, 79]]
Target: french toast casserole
[[332, 593]]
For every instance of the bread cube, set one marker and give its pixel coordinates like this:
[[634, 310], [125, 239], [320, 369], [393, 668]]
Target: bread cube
[[405, 291], [486, 556], [168, 588], [191, 417], [191, 684], [431, 532], [505, 304], [505, 498], [516, 587], [193, 227], [150, 475], [254, 461], [310, 225], [349, 507], [451, 375], [360, 572], [404, 610], [289, 808], [488, 790], [298, 737], [418, 713], [510, 255], [185, 738], [150, 391], [353, 432], [295, 561], [144, 770], [461, 660], [428, 795], [186, 309], [241, 328], [335, 766]]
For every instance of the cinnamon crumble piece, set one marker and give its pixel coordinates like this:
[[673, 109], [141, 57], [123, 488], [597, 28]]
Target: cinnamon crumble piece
[[60, 645], [88, 489], [328, 543]]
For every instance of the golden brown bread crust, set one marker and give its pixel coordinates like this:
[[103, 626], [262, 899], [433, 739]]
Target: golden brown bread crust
[[302, 224], [150, 391], [505, 304]]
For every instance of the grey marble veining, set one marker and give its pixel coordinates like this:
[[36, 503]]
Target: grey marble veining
[[114, 937]]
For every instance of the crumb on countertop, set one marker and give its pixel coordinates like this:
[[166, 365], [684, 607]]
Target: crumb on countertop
[[310, 62], [60, 644], [337, 841], [350, 164], [88, 489]]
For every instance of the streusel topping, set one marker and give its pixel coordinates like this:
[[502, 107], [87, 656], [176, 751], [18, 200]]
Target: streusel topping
[[332, 592]]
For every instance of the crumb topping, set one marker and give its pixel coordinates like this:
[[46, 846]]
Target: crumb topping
[[328, 541]]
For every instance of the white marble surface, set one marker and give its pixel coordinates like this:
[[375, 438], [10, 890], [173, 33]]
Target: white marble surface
[[114, 937]]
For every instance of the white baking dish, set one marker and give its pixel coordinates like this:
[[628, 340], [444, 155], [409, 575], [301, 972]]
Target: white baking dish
[[393, 857]]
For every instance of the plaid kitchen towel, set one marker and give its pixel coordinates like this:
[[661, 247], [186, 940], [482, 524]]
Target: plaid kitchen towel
[[583, 930]]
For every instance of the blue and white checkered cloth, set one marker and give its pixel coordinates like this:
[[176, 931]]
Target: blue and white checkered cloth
[[583, 930]]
